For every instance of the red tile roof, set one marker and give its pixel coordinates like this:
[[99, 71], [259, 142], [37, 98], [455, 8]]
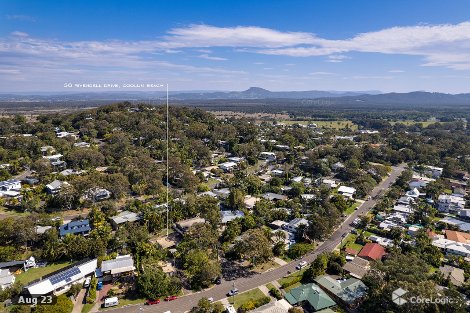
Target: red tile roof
[[350, 251], [372, 251]]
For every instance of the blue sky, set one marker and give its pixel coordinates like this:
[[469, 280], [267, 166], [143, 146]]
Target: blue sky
[[232, 45]]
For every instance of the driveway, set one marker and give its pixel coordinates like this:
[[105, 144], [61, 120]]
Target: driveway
[[79, 301]]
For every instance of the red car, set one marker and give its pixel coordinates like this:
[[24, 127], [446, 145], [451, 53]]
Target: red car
[[150, 302], [171, 298]]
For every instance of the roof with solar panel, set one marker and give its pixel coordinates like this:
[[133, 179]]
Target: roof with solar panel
[[61, 279]]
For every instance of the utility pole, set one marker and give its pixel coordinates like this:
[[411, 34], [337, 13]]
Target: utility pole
[[167, 159]]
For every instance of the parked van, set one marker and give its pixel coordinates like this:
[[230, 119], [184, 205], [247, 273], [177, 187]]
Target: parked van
[[109, 302]]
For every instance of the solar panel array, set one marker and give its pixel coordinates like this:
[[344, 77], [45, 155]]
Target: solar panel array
[[65, 275]]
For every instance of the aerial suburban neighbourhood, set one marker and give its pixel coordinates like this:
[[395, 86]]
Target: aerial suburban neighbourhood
[[234, 156]]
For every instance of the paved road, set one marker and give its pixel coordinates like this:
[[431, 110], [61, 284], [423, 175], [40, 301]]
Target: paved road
[[243, 284]]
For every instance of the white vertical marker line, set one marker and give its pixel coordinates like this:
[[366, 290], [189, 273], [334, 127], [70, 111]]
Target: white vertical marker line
[[167, 159]]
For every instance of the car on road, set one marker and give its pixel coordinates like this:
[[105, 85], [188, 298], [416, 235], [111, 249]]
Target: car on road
[[99, 286], [210, 299], [152, 302], [301, 265], [171, 298], [232, 292], [218, 280]]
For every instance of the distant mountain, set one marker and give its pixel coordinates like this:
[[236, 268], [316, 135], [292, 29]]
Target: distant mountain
[[260, 93], [353, 98]]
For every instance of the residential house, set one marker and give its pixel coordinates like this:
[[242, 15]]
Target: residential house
[[293, 225], [10, 188], [420, 181], [250, 201], [350, 291], [450, 204], [60, 281], [80, 227], [347, 192], [337, 166], [277, 172], [461, 225], [453, 274], [330, 183], [227, 216], [228, 166], [433, 171], [121, 265], [124, 217], [55, 187], [357, 268], [281, 147], [6, 279], [97, 194], [183, 226], [277, 224], [273, 196], [222, 193], [268, 156], [81, 144], [372, 252], [309, 295]]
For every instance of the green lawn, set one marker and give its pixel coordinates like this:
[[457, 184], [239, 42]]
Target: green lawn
[[270, 286], [242, 298], [259, 268], [36, 273], [292, 277], [351, 208], [87, 307], [409, 123], [349, 242]]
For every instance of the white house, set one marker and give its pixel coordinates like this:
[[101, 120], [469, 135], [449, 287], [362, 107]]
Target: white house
[[54, 187], [61, 281], [330, 183], [6, 279], [10, 188], [227, 166], [268, 156], [293, 225], [450, 204], [347, 192]]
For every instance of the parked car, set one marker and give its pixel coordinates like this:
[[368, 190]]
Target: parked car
[[151, 302], [218, 280], [99, 285], [171, 298], [301, 265], [232, 292], [87, 282], [210, 299]]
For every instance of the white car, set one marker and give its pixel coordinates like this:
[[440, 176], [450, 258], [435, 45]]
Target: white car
[[210, 299], [301, 265], [87, 282]]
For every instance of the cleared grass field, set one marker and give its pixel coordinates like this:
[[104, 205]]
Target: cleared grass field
[[409, 123], [36, 273], [339, 124], [242, 298]]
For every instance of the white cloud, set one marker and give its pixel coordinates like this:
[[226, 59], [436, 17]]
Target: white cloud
[[396, 71], [20, 17], [209, 57]]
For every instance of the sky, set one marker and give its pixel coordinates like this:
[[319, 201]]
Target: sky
[[391, 46]]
